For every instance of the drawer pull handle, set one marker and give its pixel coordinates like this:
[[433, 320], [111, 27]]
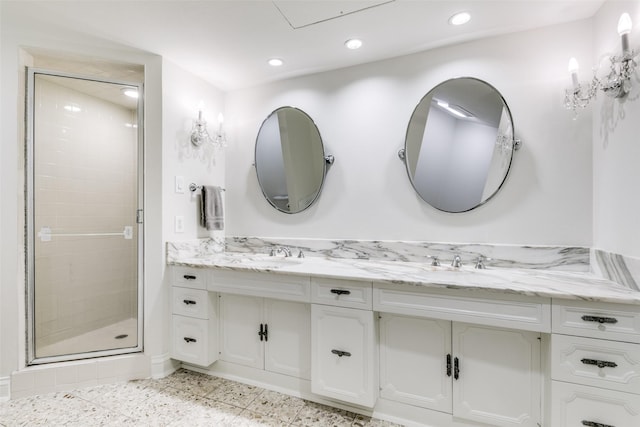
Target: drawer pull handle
[[456, 368], [189, 277], [188, 340], [189, 301], [341, 353], [599, 319], [340, 292], [594, 424], [600, 363], [448, 365]]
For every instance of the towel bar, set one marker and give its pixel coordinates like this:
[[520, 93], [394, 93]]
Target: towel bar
[[194, 187]]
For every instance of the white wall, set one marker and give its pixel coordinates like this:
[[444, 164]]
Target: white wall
[[362, 113], [182, 94], [616, 147]]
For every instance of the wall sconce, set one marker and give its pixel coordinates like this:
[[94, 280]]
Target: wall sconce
[[200, 134], [616, 84]]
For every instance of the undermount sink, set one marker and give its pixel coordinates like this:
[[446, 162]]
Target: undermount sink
[[262, 261]]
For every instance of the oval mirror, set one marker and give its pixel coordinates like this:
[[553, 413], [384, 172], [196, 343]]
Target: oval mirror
[[290, 160], [459, 144]]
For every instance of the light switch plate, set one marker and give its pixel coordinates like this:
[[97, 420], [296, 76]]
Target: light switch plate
[[179, 184], [179, 224]]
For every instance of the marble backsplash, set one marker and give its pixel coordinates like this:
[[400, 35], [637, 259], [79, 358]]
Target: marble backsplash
[[617, 268], [557, 258]]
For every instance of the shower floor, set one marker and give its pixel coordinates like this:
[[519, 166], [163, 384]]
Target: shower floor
[[99, 339]]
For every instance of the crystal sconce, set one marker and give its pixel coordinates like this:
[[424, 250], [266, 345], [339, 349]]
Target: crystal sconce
[[200, 134], [616, 84]]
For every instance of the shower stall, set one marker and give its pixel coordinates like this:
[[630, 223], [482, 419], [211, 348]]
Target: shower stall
[[83, 216]]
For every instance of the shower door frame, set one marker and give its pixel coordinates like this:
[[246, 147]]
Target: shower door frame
[[30, 232]]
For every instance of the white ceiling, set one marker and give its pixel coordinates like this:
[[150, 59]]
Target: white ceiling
[[228, 42]]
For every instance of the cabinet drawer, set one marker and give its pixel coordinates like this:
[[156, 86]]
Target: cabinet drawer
[[189, 277], [190, 302], [599, 363], [618, 322], [194, 340], [482, 308], [277, 286], [578, 405], [343, 293]]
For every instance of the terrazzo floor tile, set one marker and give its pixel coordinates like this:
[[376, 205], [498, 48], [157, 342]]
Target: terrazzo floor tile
[[176, 401], [234, 393], [277, 405], [315, 414], [208, 412], [192, 382], [254, 419]]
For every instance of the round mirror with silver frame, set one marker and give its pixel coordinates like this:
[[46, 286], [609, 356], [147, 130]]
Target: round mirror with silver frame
[[290, 161], [459, 144]]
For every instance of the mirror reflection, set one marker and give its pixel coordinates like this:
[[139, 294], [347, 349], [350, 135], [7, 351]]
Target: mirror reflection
[[459, 144], [289, 160]]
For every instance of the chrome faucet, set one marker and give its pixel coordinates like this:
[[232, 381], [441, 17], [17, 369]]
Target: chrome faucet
[[285, 250], [457, 261], [435, 262], [480, 262]]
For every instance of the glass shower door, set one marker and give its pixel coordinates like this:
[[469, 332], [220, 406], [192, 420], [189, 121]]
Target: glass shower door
[[83, 204]]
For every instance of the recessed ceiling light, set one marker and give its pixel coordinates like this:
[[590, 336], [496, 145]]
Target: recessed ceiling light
[[353, 44], [460, 18], [131, 92], [276, 62]]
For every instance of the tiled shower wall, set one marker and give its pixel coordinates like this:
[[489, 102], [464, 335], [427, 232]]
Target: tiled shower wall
[[85, 181]]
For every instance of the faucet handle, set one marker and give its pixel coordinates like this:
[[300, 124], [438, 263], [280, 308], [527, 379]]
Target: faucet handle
[[300, 254], [272, 252], [480, 262], [456, 261], [435, 262]]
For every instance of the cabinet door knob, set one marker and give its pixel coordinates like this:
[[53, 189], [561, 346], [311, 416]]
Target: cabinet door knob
[[341, 353], [600, 363], [188, 301], [188, 340], [594, 424], [189, 277], [448, 365], [264, 332], [599, 319], [340, 292]]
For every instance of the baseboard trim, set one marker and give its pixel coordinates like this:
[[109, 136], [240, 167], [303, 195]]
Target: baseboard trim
[[163, 365], [5, 389]]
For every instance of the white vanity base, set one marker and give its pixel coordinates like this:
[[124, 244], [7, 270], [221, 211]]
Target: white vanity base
[[408, 415]]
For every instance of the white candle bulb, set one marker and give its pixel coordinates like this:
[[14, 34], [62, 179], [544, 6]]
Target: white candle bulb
[[200, 109], [573, 69], [624, 28], [624, 24], [220, 118]]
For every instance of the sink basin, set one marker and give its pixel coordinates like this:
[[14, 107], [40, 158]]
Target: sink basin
[[262, 261]]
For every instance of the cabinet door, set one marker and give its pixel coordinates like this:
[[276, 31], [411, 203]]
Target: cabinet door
[[288, 346], [413, 361], [343, 354], [499, 379], [240, 319]]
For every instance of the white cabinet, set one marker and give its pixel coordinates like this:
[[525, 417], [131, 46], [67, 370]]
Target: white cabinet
[[480, 373], [194, 331], [415, 361], [497, 375], [266, 334], [595, 364], [343, 354]]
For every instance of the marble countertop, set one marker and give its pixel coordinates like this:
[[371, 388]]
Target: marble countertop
[[548, 284]]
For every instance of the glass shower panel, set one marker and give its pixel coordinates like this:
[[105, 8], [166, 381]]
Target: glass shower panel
[[85, 271]]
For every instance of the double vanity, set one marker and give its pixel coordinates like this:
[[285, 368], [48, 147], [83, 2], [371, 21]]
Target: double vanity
[[415, 343]]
